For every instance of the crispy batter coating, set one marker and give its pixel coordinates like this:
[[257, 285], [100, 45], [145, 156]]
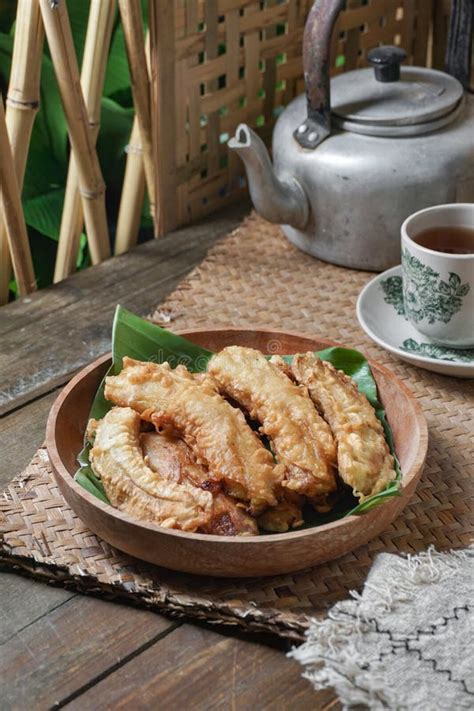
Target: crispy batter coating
[[300, 438], [171, 457], [285, 515], [135, 488], [216, 432], [363, 457]]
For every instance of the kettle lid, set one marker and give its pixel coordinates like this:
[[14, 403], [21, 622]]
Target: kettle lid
[[392, 96]]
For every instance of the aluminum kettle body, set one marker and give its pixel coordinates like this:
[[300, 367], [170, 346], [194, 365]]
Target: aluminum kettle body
[[360, 188]]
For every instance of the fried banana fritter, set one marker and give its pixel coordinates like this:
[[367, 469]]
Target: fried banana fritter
[[132, 486], [216, 432], [171, 457], [300, 438], [285, 515], [364, 460]]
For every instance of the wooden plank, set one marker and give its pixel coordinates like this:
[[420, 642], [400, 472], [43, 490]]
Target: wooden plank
[[25, 312], [60, 329], [22, 433], [194, 668], [69, 648], [24, 602]]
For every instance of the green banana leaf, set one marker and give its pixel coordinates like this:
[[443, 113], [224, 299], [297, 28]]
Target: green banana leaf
[[117, 77], [43, 212], [115, 128], [6, 51], [140, 339], [7, 14]]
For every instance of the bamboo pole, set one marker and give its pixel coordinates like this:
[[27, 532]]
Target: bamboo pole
[[94, 64], [163, 99], [91, 183], [17, 235], [132, 22], [133, 194], [22, 105], [133, 189]]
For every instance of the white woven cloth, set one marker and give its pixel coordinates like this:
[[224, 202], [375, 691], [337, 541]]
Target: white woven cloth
[[406, 642]]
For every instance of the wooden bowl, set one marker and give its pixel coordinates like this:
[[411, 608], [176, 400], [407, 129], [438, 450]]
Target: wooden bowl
[[233, 556]]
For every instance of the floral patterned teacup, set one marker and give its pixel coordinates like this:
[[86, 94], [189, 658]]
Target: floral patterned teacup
[[438, 287]]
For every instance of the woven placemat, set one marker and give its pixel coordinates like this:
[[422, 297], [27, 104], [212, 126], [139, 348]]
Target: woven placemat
[[254, 277]]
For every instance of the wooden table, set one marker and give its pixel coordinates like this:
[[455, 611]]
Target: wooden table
[[61, 649]]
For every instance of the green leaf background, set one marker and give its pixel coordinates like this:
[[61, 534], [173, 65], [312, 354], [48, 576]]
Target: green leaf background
[[142, 340], [46, 170]]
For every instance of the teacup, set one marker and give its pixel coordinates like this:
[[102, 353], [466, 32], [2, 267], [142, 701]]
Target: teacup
[[438, 286]]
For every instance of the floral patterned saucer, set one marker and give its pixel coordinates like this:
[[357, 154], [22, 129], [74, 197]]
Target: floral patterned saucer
[[381, 314]]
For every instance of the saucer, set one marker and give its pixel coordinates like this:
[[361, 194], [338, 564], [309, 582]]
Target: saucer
[[381, 314]]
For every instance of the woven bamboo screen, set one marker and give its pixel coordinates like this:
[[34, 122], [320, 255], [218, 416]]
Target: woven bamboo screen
[[238, 61]]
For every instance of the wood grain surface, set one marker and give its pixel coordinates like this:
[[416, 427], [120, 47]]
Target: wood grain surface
[[31, 420], [61, 649], [58, 330], [224, 673], [76, 642]]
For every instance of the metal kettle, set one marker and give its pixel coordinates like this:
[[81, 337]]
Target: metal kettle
[[359, 153]]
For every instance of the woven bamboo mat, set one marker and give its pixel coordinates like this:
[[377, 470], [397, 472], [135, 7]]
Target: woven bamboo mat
[[255, 278]]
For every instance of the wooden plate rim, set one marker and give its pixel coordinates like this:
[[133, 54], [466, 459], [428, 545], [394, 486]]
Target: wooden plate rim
[[61, 471]]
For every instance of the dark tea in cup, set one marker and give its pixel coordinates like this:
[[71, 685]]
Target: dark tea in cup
[[449, 239], [438, 273]]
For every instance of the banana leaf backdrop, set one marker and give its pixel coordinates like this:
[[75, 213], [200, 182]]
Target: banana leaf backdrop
[[46, 171]]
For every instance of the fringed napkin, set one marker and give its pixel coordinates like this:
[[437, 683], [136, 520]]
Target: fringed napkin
[[406, 642]]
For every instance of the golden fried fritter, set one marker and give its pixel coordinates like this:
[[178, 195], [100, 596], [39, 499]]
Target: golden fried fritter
[[171, 457], [133, 487], [216, 432], [300, 438], [364, 460], [285, 515]]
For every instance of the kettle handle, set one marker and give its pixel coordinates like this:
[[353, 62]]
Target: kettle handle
[[459, 49], [316, 48]]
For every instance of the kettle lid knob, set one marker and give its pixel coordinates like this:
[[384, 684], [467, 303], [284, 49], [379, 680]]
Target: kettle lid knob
[[386, 61]]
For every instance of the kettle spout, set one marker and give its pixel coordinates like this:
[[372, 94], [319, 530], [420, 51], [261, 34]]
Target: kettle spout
[[279, 200]]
